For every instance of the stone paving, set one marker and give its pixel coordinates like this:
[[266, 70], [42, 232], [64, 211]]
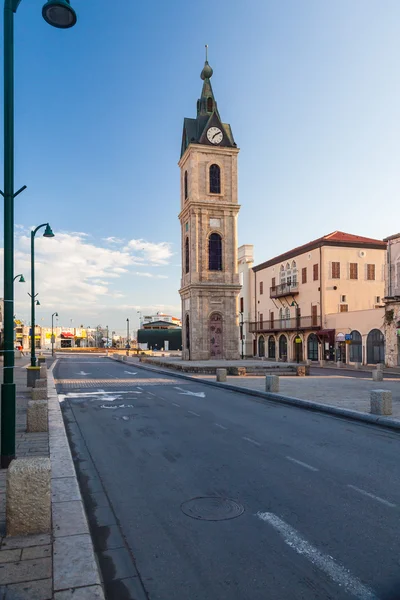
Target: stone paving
[[346, 392]]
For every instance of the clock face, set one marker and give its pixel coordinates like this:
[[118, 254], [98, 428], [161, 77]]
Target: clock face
[[214, 135]]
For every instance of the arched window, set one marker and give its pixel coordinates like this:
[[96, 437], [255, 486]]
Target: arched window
[[271, 347], [215, 252], [210, 105], [261, 346], [281, 316], [356, 347], [282, 275], [215, 179], [186, 185], [283, 347], [375, 347], [312, 347], [187, 255], [187, 323], [294, 273]]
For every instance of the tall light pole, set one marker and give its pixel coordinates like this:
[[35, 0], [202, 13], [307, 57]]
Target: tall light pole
[[59, 14], [127, 337], [241, 333], [21, 278], [52, 332], [107, 341], [48, 233]]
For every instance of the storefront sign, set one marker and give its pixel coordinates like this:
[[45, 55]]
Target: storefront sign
[[298, 340], [348, 337]]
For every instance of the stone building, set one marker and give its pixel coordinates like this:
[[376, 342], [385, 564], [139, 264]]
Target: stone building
[[208, 217], [392, 302], [320, 301]]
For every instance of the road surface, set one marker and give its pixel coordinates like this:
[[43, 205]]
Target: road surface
[[197, 493]]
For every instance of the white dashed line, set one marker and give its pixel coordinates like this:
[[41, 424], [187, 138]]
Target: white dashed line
[[151, 394], [193, 413], [326, 563], [364, 493], [251, 441], [175, 404], [303, 464], [220, 426]]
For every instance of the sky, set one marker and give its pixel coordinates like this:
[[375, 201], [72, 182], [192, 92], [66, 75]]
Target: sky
[[311, 90]]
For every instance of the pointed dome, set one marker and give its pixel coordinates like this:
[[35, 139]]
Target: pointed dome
[[207, 71]]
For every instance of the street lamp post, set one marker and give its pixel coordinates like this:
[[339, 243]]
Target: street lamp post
[[21, 278], [48, 233], [59, 14], [52, 332], [241, 333], [107, 341], [127, 337]]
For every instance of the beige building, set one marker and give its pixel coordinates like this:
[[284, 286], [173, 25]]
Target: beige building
[[208, 217], [392, 302], [321, 301]]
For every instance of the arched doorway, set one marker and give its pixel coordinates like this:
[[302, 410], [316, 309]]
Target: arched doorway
[[187, 328], [375, 347], [261, 346], [283, 347], [216, 336], [297, 349], [312, 347], [271, 347], [355, 349]]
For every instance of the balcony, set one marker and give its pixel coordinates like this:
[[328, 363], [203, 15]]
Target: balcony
[[284, 289], [295, 324]]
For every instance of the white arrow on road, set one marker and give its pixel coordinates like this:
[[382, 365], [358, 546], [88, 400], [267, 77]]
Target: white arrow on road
[[130, 373], [83, 373], [187, 393]]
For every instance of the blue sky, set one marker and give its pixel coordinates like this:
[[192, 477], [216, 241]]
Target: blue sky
[[310, 88]]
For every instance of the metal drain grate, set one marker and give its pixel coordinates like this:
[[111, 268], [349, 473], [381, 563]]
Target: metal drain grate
[[212, 508]]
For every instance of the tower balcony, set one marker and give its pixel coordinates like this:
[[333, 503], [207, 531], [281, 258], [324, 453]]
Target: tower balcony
[[284, 289]]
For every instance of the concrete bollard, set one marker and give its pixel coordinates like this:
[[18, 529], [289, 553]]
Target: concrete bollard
[[43, 372], [308, 362], [221, 374], [41, 360], [39, 393], [322, 363], [339, 364], [377, 375], [28, 496], [271, 383], [357, 365], [380, 366], [41, 383], [301, 371], [125, 359], [381, 402], [36, 416], [32, 373]]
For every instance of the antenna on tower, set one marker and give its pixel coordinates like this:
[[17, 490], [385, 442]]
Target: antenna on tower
[[206, 52]]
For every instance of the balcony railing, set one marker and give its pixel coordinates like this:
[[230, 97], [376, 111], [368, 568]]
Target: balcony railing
[[284, 289], [297, 323]]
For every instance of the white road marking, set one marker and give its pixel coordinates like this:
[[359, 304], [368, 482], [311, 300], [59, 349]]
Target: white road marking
[[130, 373], [82, 373], [251, 441], [175, 404], [326, 563], [198, 394], [115, 407], [220, 426], [303, 464], [151, 394], [99, 395], [193, 413], [364, 493]]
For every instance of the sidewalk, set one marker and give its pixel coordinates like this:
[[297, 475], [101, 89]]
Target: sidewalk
[[60, 565]]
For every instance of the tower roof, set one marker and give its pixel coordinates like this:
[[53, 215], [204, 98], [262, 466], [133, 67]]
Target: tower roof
[[194, 130]]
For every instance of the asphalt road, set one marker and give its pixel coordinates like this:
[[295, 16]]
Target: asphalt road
[[320, 495]]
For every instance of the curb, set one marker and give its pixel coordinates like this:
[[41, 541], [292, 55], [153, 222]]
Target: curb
[[288, 400], [74, 562]]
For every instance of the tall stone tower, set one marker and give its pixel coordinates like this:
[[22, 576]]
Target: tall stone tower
[[208, 216]]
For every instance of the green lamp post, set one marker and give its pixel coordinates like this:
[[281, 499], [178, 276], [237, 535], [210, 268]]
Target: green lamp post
[[48, 233], [21, 278], [57, 13]]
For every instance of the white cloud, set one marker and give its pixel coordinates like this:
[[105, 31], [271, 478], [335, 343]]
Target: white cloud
[[151, 253], [143, 274], [113, 240]]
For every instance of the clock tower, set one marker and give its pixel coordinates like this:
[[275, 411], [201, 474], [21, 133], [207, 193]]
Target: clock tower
[[208, 217]]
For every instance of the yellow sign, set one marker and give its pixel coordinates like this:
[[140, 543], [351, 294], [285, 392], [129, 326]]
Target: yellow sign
[[37, 337], [48, 335], [298, 340]]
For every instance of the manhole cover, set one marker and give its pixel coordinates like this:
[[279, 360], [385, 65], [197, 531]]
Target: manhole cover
[[212, 508]]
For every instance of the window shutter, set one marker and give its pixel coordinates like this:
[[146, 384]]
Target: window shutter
[[304, 275]]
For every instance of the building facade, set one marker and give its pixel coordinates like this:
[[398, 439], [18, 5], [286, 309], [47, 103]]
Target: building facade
[[321, 301], [208, 216], [392, 302]]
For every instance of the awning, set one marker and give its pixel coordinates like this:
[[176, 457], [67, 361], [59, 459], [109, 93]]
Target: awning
[[326, 332], [67, 334]]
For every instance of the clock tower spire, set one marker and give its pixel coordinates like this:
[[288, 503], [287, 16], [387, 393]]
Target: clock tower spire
[[208, 216]]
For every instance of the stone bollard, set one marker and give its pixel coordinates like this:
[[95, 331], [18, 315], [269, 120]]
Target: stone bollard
[[381, 402], [43, 372], [322, 363], [377, 375], [380, 366], [36, 416], [308, 362], [271, 383], [339, 364], [39, 393], [41, 383], [221, 374], [125, 359], [41, 360], [32, 373], [300, 371], [28, 496], [357, 365]]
